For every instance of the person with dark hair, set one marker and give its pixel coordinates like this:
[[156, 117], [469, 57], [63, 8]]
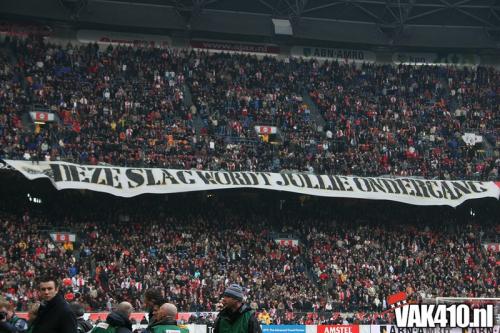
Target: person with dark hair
[[83, 326], [152, 298], [235, 316], [54, 314], [9, 322], [117, 321], [164, 320]]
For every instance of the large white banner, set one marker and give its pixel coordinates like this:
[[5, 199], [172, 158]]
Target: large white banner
[[129, 182]]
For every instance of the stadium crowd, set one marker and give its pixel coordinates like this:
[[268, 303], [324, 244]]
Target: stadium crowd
[[338, 266], [130, 106], [410, 118]]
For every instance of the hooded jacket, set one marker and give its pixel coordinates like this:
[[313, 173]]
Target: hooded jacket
[[83, 325], [118, 321]]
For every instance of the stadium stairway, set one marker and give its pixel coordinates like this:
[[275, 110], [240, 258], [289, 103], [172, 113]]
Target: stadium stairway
[[9, 53], [304, 244], [315, 114], [490, 150], [307, 263], [188, 102], [19, 74], [488, 145]]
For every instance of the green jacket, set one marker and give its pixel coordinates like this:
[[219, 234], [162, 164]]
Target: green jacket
[[241, 321], [115, 323], [166, 326], [103, 328]]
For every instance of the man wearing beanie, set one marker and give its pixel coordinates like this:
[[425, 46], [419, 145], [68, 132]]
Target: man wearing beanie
[[235, 316]]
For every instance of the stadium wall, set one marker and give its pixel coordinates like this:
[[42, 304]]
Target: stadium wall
[[351, 328], [164, 17], [384, 55]]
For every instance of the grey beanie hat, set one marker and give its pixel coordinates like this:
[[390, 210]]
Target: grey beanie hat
[[234, 291]]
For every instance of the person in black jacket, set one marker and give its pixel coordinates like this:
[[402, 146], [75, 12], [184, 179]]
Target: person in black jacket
[[54, 314], [117, 321], [82, 325]]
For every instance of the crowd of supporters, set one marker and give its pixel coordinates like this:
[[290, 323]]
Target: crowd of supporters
[[174, 108], [410, 118], [146, 106], [338, 267]]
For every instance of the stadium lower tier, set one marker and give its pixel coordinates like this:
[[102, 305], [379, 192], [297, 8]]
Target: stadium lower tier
[[293, 254], [301, 259]]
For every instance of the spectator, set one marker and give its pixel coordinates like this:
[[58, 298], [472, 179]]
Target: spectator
[[236, 316], [54, 314], [152, 298], [9, 322], [33, 310], [83, 326], [165, 320]]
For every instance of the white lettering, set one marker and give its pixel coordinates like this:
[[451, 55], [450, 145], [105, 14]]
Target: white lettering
[[402, 316], [440, 317]]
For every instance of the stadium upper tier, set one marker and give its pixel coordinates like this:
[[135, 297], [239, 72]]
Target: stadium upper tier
[[185, 109]]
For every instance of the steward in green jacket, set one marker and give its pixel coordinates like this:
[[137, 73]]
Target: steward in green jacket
[[236, 317], [117, 321], [167, 325]]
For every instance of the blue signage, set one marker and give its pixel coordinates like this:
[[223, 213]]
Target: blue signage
[[283, 329]]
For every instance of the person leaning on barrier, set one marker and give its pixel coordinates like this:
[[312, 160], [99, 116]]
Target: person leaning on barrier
[[164, 320], [235, 316], [9, 322], [117, 321]]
